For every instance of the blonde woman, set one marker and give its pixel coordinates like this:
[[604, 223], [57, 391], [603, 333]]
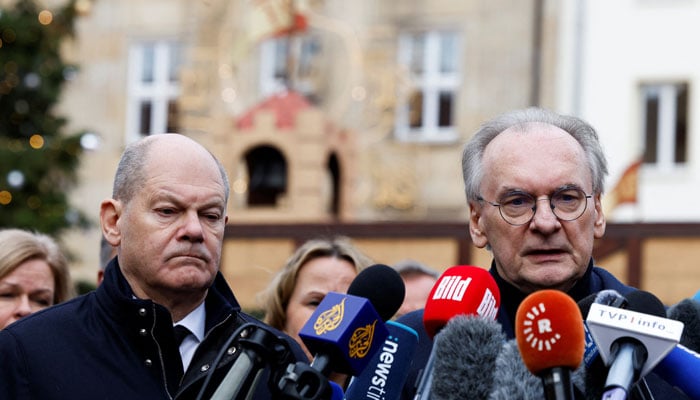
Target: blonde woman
[[317, 267], [33, 274]]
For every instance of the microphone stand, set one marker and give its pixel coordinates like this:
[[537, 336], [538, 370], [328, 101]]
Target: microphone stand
[[303, 382], [258, 347]]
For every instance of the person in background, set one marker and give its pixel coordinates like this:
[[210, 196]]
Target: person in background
[[534, 182], [156, 325], [419, 280], [317, 267], [33, 274]]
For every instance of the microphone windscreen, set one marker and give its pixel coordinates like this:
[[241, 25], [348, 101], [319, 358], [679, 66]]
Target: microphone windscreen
[[511, 379], [461, 290], [608, 297], [688, 312], [644, 302], [465, 358], [382, 286], [611, 297], [549, 331]]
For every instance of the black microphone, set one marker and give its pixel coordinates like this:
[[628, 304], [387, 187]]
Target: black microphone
[[688, 312], [465, 358], [382, 286], [631, 341]]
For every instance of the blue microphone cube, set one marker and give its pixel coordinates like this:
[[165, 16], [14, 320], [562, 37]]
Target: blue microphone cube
[[347, 329]]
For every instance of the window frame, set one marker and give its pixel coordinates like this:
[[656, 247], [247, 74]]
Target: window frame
[[307, 49], [431, 82], [666, 130], [161, 92]]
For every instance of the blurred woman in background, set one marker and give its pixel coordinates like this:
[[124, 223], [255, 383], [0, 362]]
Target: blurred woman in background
[[33, 274], [317, 267]]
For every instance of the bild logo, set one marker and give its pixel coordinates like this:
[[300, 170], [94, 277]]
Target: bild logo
[[451, 288]]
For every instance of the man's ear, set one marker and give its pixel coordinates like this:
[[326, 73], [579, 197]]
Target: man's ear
[[110, 212], [476, 230], [599, 223]]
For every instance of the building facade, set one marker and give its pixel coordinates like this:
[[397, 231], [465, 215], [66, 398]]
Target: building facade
[[332, 113]]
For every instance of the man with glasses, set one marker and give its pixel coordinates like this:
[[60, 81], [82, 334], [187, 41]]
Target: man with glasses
[[534, 181]]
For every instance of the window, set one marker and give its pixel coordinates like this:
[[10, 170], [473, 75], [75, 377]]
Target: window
[[664, 124], [290, 63], [427, 113], [153, 88], [267, 176]]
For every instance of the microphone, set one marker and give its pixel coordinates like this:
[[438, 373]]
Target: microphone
[[465, 358], [549, 333], [592, 374], [259, 348], [688, 312], [345, 330], [386, 373], [336, 391], [631, 342], [511, 379], [460, 290], [449, 297], [382, 286], [680, 368]]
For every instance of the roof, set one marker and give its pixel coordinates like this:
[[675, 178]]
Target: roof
[[285, 106]]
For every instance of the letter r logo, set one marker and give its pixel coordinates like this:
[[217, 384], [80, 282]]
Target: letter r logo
[[544, 325]]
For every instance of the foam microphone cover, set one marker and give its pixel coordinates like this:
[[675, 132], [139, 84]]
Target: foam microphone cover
[[688, 312], [461, 290], [644, 302], [465, 358], [382, 286], [549, 331], [511, 379]]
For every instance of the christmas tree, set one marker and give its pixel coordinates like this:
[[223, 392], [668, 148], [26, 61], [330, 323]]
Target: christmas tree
[[38, 160]]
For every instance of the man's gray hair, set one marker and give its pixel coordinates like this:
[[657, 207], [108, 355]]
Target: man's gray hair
[[473, 152], [132, 170]]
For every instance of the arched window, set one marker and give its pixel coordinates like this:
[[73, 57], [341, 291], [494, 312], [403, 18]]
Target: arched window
[[267, 175]]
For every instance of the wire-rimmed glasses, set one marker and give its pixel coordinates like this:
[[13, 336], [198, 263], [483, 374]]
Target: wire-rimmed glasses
[[518, 208]]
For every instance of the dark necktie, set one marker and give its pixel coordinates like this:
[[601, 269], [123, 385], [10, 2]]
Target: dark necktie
[[180, 333]]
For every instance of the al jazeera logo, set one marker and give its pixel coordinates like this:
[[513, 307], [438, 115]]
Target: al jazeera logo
[[361, 339], [330, 319]]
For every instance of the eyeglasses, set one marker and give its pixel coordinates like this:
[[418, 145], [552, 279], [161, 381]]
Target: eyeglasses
[[518, 208]]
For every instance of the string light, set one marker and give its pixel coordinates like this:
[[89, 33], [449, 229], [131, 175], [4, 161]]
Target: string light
[[36, 141]]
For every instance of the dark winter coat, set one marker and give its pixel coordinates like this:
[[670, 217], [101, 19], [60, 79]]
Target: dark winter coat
[[108, 344]]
